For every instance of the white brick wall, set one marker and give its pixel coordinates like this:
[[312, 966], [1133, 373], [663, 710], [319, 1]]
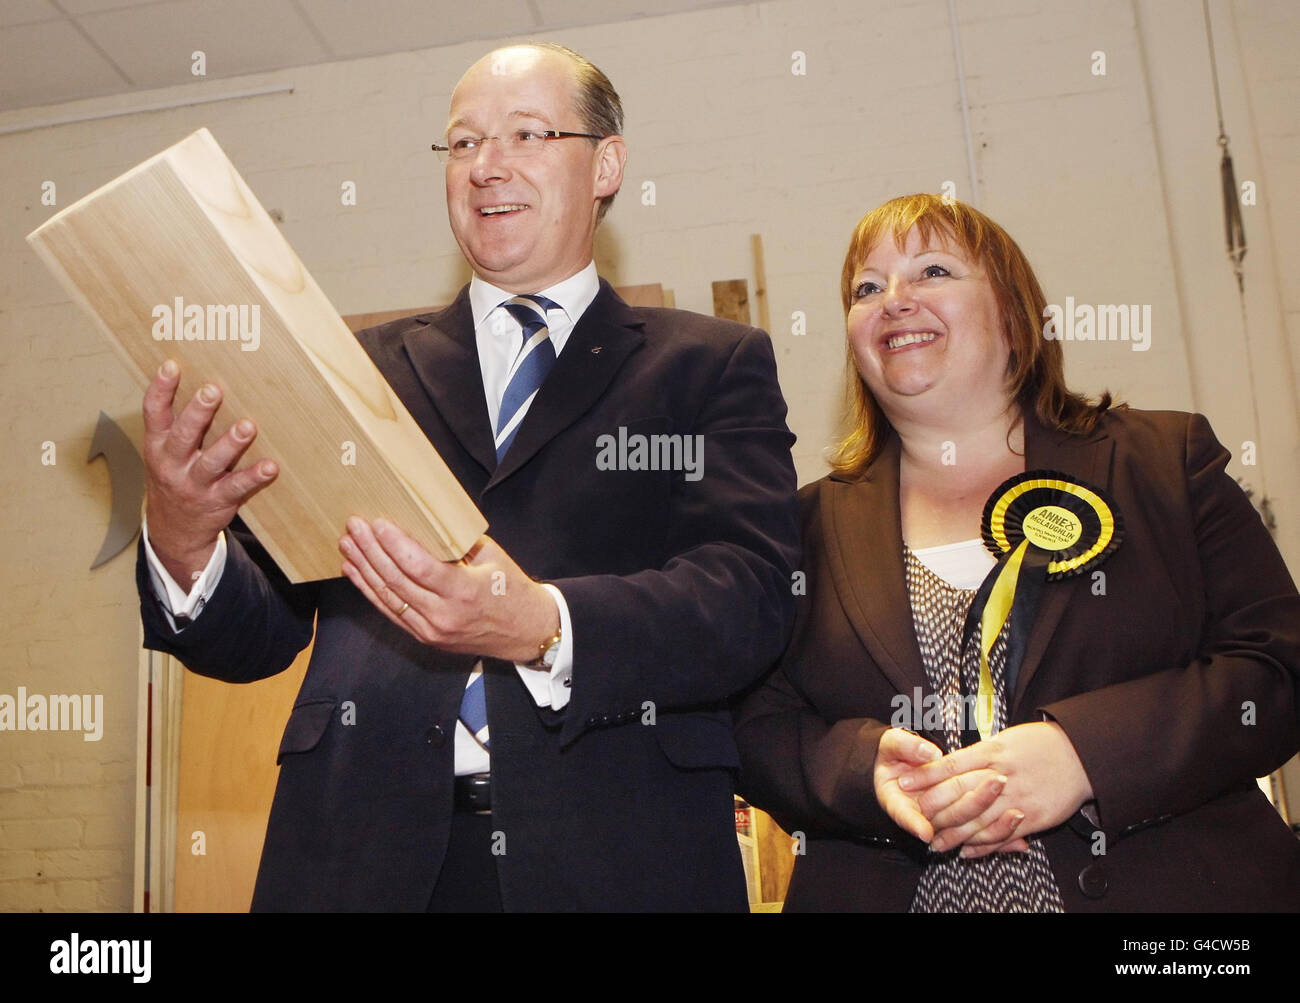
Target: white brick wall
[[1109, 183]]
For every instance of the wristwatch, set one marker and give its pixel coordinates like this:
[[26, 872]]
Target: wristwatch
[[547, 652]]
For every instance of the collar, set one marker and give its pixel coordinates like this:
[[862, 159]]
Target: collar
[[574, 294]]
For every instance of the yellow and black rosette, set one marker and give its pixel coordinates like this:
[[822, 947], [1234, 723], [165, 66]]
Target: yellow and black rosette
[[1041, 526]]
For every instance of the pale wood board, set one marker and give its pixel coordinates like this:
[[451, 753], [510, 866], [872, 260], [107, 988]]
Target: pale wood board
[[184, 224], [731, 300], [227, 775], [650, 294], [760, 283], [361, 321], [775, 854]]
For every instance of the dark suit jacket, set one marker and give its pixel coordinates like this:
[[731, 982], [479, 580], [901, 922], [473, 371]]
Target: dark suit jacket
[[1177, 686], [679, 592]]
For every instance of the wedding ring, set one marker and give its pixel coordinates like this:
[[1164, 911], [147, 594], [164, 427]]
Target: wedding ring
[[405, 607]]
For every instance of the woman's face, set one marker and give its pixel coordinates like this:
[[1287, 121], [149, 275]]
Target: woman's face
[[925, 330]]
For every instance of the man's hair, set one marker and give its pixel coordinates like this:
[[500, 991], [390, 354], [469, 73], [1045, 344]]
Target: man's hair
[[598, 105], [1035, 369]]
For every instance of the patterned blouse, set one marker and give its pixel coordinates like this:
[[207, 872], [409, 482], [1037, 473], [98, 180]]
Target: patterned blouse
[[999, 882]]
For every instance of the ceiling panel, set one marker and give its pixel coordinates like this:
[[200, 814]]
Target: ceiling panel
[[563, 13], [48, 47], [25, 12], [153, 43], [399, 25], [76, 8], [48, 62]]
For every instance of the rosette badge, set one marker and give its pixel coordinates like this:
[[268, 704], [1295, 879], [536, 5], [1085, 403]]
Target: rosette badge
[[1041, 526], [1074, 523]]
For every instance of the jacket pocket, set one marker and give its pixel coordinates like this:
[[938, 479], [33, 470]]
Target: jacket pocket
[[306, 727], [698, 741]]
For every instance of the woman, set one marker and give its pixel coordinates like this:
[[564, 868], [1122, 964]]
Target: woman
[[1103, 756]]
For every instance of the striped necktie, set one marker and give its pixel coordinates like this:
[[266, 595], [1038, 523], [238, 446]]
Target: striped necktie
[[534, 360], [473, 706]]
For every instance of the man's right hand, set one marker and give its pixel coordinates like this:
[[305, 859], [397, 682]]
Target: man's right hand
[[193, 493]]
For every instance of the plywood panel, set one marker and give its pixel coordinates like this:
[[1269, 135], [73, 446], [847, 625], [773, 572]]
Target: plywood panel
[[229, 738], [651, 294], [361, 321], [177, 259], [775, 854], [760, 283], [731, 300]]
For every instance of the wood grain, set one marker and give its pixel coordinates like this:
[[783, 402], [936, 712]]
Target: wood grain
[[181, 230], [650, 294], [775, 854], [760, 283], [229, 736], [731, 300]]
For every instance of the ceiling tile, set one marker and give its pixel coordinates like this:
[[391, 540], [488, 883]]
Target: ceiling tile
[[26, 12], [49, 62], [75, 8], [147, 43], [399, 25], [559, 13], [153, 43]]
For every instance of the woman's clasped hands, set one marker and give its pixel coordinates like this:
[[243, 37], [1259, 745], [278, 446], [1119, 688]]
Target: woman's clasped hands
[[986, 798]]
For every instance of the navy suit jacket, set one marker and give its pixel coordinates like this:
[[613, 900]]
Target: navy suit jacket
[[1174, 674], [680, 596]]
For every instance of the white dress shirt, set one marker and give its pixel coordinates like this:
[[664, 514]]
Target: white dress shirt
[[498, 338]]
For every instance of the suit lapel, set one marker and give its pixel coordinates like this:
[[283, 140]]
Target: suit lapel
[[864, 533], [863, 530], [1089, 459], [442, 349], [608, 331]]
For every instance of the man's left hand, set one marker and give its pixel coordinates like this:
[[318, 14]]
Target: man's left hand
[[483, 604]]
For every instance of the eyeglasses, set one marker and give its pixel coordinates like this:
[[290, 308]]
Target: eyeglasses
[[521, 143]]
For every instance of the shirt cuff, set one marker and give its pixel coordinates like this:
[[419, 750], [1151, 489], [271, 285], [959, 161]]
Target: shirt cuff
[[551, 689], [178, 606]]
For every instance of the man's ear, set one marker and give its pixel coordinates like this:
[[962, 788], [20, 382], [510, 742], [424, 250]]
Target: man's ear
[[610, 160]]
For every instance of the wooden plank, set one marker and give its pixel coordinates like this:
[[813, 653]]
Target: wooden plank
[[177, 259], [646, 295], [775, 854], [651, 294], [229, 736], [361, 321], [760, 283], [731, 300]]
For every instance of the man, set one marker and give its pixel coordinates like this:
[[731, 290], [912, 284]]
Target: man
[[512, 745]]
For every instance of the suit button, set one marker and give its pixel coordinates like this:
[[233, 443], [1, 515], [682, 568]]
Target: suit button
[[1092, 880], [435, 736]]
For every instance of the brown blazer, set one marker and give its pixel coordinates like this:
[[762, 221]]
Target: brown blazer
[[1175, 678]]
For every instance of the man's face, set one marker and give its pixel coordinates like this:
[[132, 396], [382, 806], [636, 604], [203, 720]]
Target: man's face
[[525, 223]]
